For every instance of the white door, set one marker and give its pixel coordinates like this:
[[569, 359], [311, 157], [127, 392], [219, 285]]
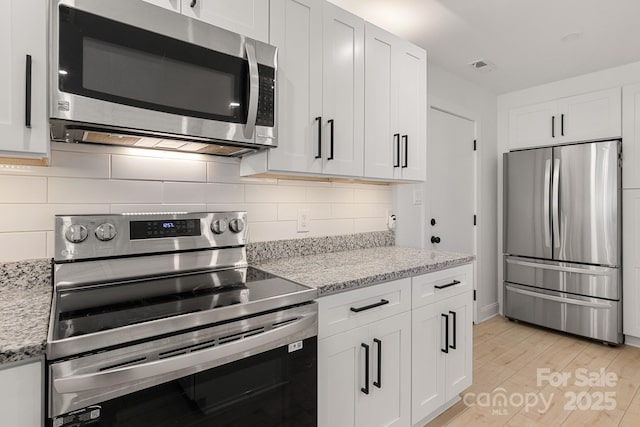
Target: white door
[[591, 116], [534, 125], [390, 372], [296, 30], [23, 46], [427, 329], [167, 4], [246, 17], [458, 361], [451, 183], [343, 92]]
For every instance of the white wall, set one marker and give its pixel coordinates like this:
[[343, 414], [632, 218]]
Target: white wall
[[605, 79], [453, 94], [86, 178]]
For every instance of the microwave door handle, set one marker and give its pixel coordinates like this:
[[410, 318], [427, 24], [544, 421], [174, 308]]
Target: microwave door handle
[[193, 362], [254, 87]]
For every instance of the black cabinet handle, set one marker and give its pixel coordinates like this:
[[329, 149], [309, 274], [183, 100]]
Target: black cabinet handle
[[435, 239], [330, 139], [562, 124], [553, 126], [455, 282], [405, 138], [446, 334], [319, 120], [453, 313], [396, 141], [27, 95], [365, 389], [379, 382], [369, 307], [193, 3]]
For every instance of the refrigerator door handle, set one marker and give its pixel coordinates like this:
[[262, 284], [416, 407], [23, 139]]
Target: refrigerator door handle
[[547, 214], [556, 203], [591, 271], [560, 299]]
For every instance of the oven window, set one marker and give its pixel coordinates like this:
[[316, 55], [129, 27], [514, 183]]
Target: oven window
[[272, 389], [103, 59]]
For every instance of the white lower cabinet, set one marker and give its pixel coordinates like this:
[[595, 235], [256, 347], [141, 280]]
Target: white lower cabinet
[[364, 375], [21, 395]]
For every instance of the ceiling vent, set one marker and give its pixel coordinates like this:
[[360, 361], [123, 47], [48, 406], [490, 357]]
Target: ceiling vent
[[482, 65]]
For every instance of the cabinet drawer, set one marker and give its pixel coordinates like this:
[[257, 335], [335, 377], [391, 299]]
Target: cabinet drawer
[[348, 310], [433, 287]]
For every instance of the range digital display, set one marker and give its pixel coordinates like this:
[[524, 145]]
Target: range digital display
[[164, 228]]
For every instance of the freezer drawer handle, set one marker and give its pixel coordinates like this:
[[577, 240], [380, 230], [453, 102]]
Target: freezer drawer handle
[[365, 389], [370, 306], [560, 299], [446, 334], [595, 271], [455, 282]]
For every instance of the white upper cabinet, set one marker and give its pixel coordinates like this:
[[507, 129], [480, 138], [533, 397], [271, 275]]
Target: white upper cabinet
[[395, 108], [590, 116], [631, 138], [343, 92], [23, 90], [247, 17], [167, 4]]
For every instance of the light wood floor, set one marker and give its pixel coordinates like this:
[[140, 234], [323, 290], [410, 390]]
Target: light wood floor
[[508, 354]]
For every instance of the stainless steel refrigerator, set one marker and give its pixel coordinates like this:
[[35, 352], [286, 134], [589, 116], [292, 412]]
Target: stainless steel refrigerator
[[562, 238]]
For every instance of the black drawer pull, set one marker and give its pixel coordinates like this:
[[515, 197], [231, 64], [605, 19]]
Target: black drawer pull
[[453, 313], [319, 120], [455, 282], [379, 382], [553, 126], [27, 96], [446, 334], [369, 307], [396, 140], [405, 138], [365, 389], [330, 139]]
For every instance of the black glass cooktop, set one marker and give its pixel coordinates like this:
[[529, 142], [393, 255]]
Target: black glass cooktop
[[106, 307]]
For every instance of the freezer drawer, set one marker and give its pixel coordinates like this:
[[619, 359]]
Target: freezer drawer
[[590, 317], [593, 281]]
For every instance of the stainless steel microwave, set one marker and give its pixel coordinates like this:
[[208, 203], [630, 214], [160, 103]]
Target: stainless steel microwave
[[127, 72]]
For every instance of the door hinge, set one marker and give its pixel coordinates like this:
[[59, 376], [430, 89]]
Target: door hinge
[[474, 294], [475, 145], [475, 220]]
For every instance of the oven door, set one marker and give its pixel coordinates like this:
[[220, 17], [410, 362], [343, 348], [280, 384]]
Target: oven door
[[130, 65], [257, 371]]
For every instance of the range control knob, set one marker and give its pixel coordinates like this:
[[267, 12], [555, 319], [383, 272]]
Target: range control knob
[[106, 232], [219, 226], [236, 225], [76, 233]]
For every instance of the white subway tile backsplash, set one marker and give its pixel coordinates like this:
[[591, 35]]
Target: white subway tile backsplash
[[305, 183], [377, 195], [289, 211], [133, 208], [366, 210], [23, 245], [364, 225], [23, 189], [330, 195], [158, 169], [330, 227], [276, 230], [256, 212], [274, 194], [178, 192], [40, 217], [72, 164], [223, 171], [70, 190], [223, 193]]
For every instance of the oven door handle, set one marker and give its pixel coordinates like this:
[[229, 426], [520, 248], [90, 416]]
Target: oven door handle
[[196, 361], [254, 88]]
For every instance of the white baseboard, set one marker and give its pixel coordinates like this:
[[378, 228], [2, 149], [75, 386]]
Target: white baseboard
[[487, 312], [632, 341], [438, 412]]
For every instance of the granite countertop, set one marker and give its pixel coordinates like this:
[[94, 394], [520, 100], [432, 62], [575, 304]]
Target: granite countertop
[[25, 302], [342, 271]]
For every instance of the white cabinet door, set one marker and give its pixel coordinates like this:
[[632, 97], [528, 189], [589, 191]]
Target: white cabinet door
[[343, 92], [412, 113], [389, 403], [21, 399], [381, 106], [458, 360], [23, 116], [296, 29], [428, 374], [631, 270], [631, 137], [246, 17], [534, 125], [167, 4], [341, 376], [590, 116]]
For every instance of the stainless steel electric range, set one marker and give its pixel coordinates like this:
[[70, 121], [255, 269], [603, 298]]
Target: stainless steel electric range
[[157, 320]]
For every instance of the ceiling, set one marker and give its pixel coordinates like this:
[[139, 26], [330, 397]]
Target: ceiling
[[523, 38]]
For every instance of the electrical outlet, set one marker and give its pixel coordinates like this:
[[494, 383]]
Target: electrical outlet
[[303, 220], [417, 197]]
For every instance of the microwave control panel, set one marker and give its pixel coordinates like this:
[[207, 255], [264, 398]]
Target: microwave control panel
[[266, 98]]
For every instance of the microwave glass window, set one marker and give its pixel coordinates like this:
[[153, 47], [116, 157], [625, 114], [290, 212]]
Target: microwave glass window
[[120, 63]]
